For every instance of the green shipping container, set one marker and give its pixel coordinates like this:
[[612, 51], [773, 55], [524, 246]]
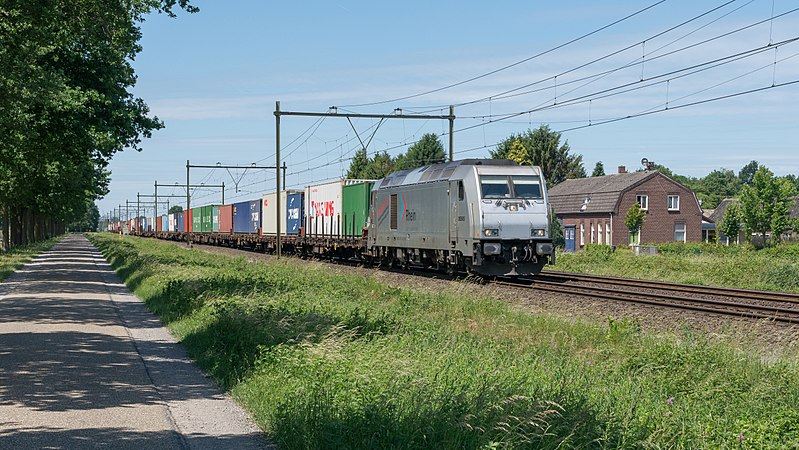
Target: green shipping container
[[196, 220], [215, 219], [355, 208], [202, 218]]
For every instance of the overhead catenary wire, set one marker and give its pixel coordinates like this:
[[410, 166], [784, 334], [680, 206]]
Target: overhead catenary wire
[[514, 64]]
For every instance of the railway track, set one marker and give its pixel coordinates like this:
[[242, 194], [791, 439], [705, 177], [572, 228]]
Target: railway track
[[775, 306]]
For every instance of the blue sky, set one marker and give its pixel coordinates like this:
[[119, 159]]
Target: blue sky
[[213, 78]]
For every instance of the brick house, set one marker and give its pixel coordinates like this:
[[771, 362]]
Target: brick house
[[593, 209], [718, 215]]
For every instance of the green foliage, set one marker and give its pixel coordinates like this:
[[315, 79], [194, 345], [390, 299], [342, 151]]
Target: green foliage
[[731, 222], [747, 173], [65, 85], [634, 219], [599, 252], [175, 209], [599, 170], [428, 150], [716, 186], [783, 276], [330, 360], [542, 147], [17, 257], [89, 222], [765, 204], [556, 230]]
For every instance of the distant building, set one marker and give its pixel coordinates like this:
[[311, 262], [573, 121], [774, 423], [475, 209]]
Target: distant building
[[718, 214], [593, 209]]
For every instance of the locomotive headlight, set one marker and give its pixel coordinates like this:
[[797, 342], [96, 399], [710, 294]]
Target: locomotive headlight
[[538, 232], [491, 232]]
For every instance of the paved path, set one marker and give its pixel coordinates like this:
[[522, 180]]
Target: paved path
[[83, 364]]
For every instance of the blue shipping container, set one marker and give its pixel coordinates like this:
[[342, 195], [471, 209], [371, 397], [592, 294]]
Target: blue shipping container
[[247, 217], [179, 221], [143, 224], [295, 212]]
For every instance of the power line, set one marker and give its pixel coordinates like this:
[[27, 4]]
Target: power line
[[522, 61]]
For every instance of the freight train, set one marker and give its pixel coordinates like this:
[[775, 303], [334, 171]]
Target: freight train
[[489, 217]]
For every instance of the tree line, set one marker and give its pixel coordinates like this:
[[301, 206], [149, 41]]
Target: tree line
[[66, 107]]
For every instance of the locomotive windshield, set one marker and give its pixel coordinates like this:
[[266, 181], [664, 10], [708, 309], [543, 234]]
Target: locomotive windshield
[[516, 186], [526, 186], [495, 186]]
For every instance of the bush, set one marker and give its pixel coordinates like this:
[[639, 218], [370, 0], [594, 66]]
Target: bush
[[598, 252]]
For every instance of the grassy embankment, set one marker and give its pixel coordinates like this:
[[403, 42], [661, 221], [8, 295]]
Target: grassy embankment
[[326, 360], [774, 268], [19, 256]]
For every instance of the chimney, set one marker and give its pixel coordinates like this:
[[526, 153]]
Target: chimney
[[622, 169]]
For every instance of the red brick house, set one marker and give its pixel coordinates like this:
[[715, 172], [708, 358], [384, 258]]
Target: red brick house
[[593, 209]]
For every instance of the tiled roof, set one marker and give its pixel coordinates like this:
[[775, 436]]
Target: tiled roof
[[603, 192]]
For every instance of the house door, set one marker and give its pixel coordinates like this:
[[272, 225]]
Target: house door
[[569, 233]]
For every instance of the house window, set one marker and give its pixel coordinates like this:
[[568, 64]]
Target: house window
[[607, 234], [592, 233], [599, 233], [674, 202], [643, 200], [582, 234], [679, 232]]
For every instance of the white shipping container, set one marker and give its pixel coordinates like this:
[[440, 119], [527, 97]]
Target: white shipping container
[[268, 212], [170, 224], [151, 223], [323, 207]]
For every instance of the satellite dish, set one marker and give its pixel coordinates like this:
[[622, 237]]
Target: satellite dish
[[644, 162]]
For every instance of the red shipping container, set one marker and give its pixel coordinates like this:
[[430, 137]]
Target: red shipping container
[[158, 225], [226, 219], [187, 221]]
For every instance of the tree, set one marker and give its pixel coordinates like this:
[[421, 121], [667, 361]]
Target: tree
[[358, 164], [716, 186], [599, 170], [634, 219], [542, 148], [747, 172], [65, 87], [175, 209], [556, 230], [427, 150], [766, 203], [89, 222], [730, 224], [518, 153]]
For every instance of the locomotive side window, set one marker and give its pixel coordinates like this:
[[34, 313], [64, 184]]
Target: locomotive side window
[[461, 194], [526, 186], [495, 186]]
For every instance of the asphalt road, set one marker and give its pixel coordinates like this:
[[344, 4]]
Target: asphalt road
[[84, 364]]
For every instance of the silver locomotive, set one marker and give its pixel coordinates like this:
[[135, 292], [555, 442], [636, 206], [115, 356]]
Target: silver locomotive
[[490, 217]]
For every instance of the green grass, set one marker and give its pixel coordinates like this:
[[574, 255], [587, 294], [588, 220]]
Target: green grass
[[774, 268], [19, 256], [326, 360]]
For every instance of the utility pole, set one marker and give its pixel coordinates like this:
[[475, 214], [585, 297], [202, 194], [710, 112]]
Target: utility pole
[[156, 200], [277, 172], [451, 132], [186, 219]]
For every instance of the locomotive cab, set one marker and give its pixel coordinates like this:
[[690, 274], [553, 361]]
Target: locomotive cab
[[512, 235]]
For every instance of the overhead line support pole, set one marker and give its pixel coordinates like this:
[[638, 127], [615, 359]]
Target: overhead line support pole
[[277, 172], [451, 132], [186, 223]]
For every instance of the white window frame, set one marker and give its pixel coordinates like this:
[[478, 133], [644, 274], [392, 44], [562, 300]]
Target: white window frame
[[607, 234], [593, 232], [671, 207], [645, 203], [599, 233], [582, 235], [684, 231]]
